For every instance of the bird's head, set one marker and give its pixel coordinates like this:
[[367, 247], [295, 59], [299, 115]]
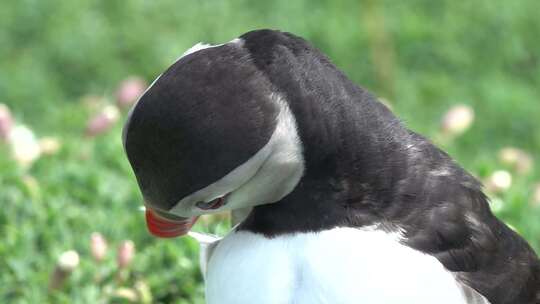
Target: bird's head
[[211, 134]]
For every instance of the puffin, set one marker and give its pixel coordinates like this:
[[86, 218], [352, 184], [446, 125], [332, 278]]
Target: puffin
[[337, 201]]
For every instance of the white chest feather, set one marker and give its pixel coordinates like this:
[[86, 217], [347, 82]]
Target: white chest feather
[[338, 266]]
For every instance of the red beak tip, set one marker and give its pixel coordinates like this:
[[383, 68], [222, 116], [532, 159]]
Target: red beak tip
[[164, 228]]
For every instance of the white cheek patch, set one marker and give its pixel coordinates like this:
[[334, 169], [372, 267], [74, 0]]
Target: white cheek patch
[[266, 177], [281, 171], [234, 179]]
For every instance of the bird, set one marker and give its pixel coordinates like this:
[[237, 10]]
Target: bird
[[338, 201]]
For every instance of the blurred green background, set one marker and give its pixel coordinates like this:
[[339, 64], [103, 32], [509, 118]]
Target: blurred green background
[[63, 64]]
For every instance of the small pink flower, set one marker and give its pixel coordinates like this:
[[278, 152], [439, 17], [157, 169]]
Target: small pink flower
[[129, 91], [125, 254], [6, 122], [103, 121], [98, 246]]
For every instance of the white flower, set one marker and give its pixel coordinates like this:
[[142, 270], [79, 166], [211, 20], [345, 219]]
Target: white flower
[[499, 181], [24, 146], [68, 260], [516, 158], [457, 120]]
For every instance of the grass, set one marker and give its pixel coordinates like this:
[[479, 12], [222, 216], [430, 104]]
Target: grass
[[422, 56]]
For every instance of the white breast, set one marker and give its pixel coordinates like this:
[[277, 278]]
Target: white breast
[[338, 266]]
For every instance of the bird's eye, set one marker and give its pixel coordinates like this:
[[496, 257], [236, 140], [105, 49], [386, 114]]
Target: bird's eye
[[213, 204]]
